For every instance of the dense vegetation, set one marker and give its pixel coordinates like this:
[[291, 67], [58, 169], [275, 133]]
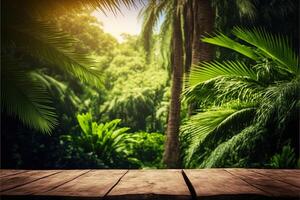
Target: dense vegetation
[[245, 103], [205, 84]]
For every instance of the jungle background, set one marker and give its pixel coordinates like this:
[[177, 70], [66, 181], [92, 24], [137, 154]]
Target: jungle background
[[205, 84]]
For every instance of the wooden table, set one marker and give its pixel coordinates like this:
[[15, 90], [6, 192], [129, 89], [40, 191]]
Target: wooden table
[[150, 184]]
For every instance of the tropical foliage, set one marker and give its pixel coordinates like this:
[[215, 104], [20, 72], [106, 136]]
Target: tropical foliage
[[285, 159], [30, 39], [115, 147], [65, 97], [176, 95], [148, 149], [138, 104], [243, 104], [105, 141], [26, 46]]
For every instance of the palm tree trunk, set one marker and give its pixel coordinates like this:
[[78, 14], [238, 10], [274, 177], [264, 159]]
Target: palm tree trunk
[[171, 155], [203, 24], [188, 21]]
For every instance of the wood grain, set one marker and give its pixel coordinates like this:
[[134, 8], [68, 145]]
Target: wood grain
[[271, 186], [9, 172], [9, 182], [46, 184], [218, 183], [204, 184], [291, 177], [94, 184], [151, 184]]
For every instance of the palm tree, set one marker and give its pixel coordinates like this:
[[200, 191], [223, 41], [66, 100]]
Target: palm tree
[[30, 41], [171, 154], [246, 106], [198, 18], [174, 40], [171, 38]]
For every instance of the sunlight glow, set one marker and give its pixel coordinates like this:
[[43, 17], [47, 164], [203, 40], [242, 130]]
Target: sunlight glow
[[118, 23]]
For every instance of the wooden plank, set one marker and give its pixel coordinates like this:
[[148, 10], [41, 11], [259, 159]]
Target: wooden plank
[[46, 184], [288, 176], [9, 182], [218, 183], [273, 187], [151, 184], [9, 172], [93, 185]]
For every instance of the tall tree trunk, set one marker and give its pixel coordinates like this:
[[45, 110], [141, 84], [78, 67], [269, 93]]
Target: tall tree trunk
[[188, 28], [203, 24], [171, 155]]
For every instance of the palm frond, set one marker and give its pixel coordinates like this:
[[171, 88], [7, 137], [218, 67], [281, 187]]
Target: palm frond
[[224, 41], [150, 18], [215, 124], [165, 35], [279, 103], [57, 89], [111, 4], [26, 97], [210, 70], [271, 87], [222, 90], [49, 81], [275, 47], [54, 7], [151, 15], [241, 89], [41, 40], [236, 149]]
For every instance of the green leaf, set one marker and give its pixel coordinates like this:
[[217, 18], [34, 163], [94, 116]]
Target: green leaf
[[210, 70], [275, 47], [219, 122], [224, 41], [44, 42], [26, 97], [85, 122]]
